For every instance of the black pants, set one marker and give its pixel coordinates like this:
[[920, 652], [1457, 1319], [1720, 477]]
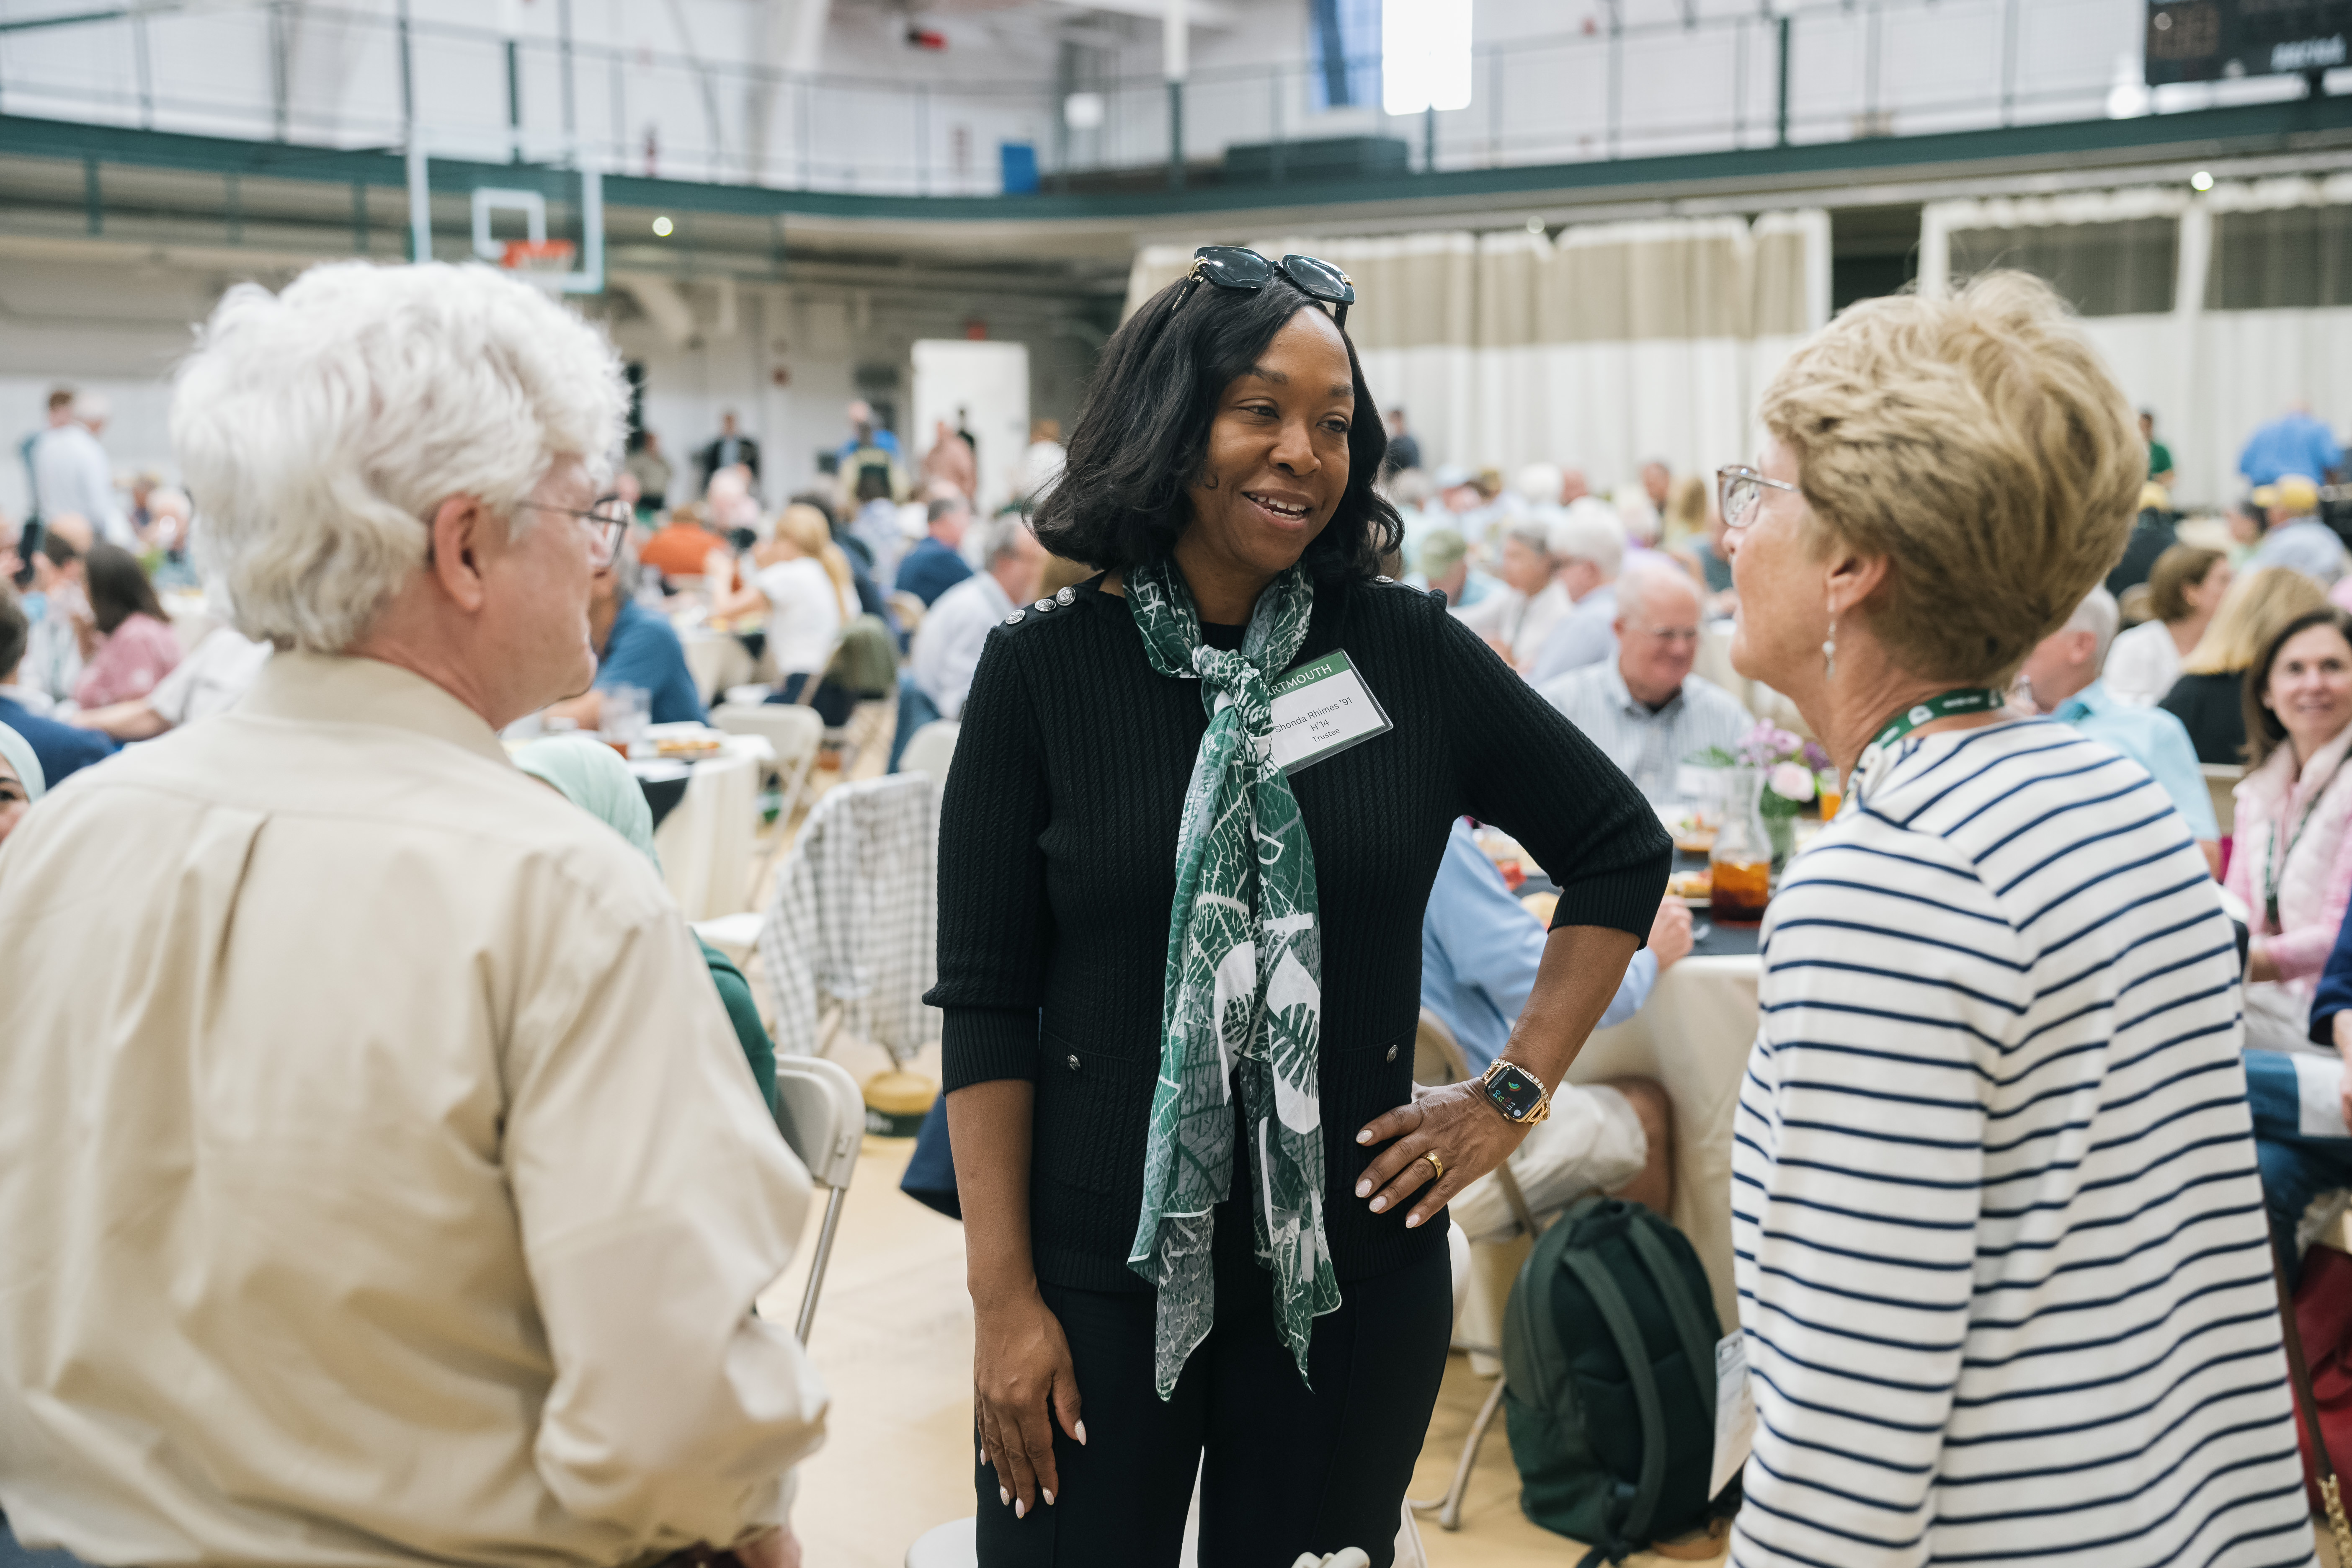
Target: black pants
[[1283, 1470]]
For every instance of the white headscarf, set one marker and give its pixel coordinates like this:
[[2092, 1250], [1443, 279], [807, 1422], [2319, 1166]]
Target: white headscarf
[[21, 757]]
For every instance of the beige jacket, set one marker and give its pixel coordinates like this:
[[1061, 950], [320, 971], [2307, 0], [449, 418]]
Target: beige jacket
[[379, 1175]]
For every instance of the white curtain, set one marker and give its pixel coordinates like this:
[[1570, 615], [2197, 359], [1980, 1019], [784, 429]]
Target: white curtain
[[2210, 375], [1611, 344]]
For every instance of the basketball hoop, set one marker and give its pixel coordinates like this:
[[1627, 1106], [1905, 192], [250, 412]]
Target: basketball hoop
[[538, 256]]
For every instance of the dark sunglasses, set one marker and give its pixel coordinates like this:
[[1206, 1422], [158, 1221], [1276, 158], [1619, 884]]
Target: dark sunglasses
[[1231, 266]]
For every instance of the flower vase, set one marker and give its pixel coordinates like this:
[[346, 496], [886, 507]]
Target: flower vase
[[1782, 831]]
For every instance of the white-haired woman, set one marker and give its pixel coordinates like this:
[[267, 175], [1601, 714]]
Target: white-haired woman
[[2001, 1244], [1516, 621]]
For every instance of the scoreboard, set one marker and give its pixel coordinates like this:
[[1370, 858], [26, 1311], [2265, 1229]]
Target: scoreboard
[[2202, 40]]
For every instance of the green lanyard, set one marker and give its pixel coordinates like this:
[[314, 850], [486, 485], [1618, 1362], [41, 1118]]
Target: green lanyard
[[1961, 699], [1966, 700]]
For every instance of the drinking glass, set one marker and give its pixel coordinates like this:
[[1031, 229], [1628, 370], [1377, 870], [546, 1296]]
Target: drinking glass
[[1740, 867]]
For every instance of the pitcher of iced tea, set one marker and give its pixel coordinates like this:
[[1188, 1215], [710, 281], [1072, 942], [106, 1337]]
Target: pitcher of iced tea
[[1740, 867]]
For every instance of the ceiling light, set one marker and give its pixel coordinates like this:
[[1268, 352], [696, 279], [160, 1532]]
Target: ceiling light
[[2200, 181], [662, 226], [1535, 225]]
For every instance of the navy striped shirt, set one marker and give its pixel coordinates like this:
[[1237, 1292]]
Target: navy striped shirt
[[2003, 1271]]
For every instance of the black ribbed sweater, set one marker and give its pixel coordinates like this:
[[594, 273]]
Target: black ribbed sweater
[[1057, 865]]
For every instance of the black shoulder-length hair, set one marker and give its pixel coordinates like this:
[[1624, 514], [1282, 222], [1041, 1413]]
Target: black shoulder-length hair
[[1142, 436]]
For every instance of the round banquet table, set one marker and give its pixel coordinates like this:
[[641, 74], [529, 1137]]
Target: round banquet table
[[705, 841]]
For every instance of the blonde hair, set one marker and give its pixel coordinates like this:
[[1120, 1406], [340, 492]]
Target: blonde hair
[[2255, 607], [806, 531], [1686, 507], [1980, 444]]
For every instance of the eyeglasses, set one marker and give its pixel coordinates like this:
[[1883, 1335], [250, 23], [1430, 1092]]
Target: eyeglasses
[[1664, 634], [1233, 266], [607, 522], [1742, 490]]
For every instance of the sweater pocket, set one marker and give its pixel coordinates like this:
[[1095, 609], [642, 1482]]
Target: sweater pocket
[[1357, 1084], [1094, 1112]]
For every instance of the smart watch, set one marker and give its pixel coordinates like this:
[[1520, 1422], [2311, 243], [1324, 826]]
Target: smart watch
[[1518, 1093]]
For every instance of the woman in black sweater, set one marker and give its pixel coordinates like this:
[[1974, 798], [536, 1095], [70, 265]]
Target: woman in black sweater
[[1196, 1180]]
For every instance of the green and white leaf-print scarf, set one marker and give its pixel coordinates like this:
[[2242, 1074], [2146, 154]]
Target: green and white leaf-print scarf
[[1242, 1006]]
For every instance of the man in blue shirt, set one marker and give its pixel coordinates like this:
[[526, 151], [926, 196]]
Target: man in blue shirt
[[933, 566], [633, 647], [2060, 678], [63, 749], [2293, 443], [1480, 949]]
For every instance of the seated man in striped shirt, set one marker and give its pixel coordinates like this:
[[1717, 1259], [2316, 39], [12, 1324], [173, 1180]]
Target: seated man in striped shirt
[[2004, 1274], [1643, 706]]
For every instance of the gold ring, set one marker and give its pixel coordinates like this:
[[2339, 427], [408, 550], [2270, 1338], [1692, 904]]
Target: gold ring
[[1436, 1163]]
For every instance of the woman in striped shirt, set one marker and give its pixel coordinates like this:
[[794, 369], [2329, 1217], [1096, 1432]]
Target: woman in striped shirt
[[2001, 1245]]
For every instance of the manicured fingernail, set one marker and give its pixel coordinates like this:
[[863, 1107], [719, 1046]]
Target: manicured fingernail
[[1049, 1497], [1364, 1187], [1410, 1220], [1020, 1510], [1082, 1434], [1379, 1203], [1365, 1136], [1002, 1495]]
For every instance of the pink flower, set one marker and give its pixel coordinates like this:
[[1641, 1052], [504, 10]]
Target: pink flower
[[1793, 781]]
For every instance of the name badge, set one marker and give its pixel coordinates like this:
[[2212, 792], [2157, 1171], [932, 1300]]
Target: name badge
[[1321, 709], [1734, 1412]]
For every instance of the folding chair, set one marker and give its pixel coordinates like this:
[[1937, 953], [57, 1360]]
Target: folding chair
[[932, 749], [1437, 1058], [822, 1117], [796, 732]]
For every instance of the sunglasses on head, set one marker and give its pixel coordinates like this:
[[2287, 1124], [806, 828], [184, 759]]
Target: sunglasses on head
[[1245, 271]]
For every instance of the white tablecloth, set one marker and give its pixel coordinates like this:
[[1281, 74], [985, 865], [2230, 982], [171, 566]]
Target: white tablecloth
[[715, 659], [706, 842], [1693, 1036]]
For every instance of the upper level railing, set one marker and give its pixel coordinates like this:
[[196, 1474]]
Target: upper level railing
[[326, 75]]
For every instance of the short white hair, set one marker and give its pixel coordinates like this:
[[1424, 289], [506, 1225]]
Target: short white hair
[[1590, 533], [2100, 616], [320, 429], [1000, 536], [1540, 482], [1649, 572]]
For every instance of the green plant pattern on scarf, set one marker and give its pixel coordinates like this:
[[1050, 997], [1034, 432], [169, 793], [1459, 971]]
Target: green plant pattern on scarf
[[1242, 1002]]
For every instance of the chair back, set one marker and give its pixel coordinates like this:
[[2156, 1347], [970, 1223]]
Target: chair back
[[1438, 1058], [930, 750], [2222, 784], [792, 730], [864, 662], [854, 918], [822, 1115], [909, 607]]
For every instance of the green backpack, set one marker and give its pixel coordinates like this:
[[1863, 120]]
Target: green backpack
[[1609, 1381]]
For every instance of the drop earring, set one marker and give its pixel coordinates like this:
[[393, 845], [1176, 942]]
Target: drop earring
[[1828, 652]]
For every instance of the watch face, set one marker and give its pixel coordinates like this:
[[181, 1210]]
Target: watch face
[[1516, 1093]]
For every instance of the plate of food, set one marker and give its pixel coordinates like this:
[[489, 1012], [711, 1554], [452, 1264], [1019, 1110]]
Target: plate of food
[[689, 745], [1687, 828], [1694, 888]]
